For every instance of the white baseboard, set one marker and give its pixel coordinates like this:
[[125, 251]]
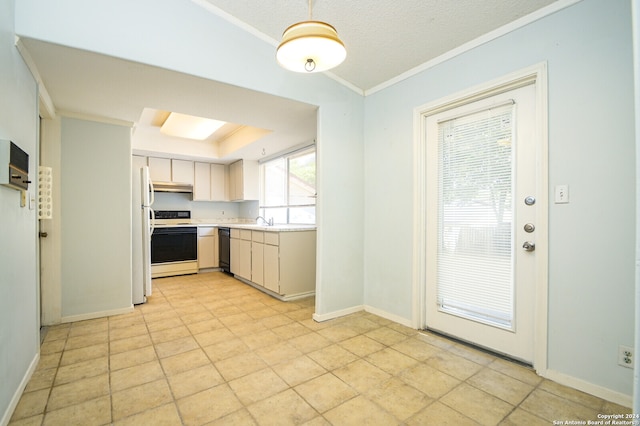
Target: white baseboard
[[93, 315], [386, 315], [337, 314], [595, 390], [4, 421]]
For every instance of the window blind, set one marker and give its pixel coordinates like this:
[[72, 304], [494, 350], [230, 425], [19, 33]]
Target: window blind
[[475, 261]]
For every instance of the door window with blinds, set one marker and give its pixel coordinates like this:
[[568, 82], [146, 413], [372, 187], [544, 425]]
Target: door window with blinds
[[475, 265], [288, 188]]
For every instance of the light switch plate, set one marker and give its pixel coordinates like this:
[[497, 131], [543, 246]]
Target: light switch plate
[[562, 194]]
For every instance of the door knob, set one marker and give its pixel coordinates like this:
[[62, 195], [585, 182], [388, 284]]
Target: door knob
[[529, 246], [43, 235]]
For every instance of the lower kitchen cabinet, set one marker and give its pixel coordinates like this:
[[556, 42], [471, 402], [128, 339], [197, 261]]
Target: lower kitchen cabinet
[[282, 262], [241, 253], [208, 247]]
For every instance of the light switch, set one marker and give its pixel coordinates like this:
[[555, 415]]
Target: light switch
[[562, 194]]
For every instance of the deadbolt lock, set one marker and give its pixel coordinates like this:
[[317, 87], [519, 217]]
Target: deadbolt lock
[[529, 227]]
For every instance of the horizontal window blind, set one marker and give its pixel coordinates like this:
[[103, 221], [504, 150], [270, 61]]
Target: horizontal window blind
[[475, 264]]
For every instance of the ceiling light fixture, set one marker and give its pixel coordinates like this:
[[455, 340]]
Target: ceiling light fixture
[[310, 46], [190, 126]]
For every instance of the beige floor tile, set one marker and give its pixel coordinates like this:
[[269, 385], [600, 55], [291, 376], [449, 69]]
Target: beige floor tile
[[275, 354], [28, 421], [84, 329], [309, 342], [87, 340], [129, 344], [130, 358], [552, 407], [246, 328], [386, 336], [82, 370], [475, 355], [500, 385], [361, 345], [226, 349], [56, 334], [276, 321], [360, 323], [261, 339], [140, 398], [126, 320], [325, 392], [31, 404], [332, 357], [522, 373], [453, 365], [613, 408], [286, 408], [237, 418], [93, 412], [127, 332], [477, 405], [170, 334], [398, 398], [165, 415], [204, 326], [416, 348], [391, 361], [185, 361], [235, 319], [194, 380], [214, 336], [338, 333], [78, 391], [427, 379], [298, 370], [136, 375], [291, 330], [49, 361], [262, 313], [257, 386], [208, 405], [177, 346], [240, 365], [434, 339], [52, 346], [520, 417], [361, 375], [41, 379], [163, 324], [571, 394], [360, 411], [83, 354], [441, 415]]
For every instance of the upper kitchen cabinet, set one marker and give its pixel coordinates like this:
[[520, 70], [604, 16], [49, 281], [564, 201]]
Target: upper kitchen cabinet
[[243, 180], [210, 182], [168, 170]]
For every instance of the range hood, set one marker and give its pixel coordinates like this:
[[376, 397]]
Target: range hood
[[173, 187]]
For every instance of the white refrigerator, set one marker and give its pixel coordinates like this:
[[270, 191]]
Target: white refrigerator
[[142, 228]]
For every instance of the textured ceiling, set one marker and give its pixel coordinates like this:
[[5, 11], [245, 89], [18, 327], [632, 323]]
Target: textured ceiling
[[385, 38]]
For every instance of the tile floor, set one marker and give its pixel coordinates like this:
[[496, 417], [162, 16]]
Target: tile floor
[[210, 350]]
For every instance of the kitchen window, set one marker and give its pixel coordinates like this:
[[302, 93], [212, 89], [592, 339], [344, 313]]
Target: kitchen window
[[288, 188]]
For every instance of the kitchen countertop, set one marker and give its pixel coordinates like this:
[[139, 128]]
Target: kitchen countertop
[[251, 226]]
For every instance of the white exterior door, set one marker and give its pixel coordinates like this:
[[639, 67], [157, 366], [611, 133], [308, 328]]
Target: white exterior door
[[482, 163]]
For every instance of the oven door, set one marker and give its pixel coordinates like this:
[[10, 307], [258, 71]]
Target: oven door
[[174, 244]]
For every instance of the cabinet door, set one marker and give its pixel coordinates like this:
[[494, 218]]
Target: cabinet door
[[160, 169], [245, 259], [202, 182], [182, 171], [272, 268], [218, 183], [235, 181], [206, 252], [235, 256], [257, 263]]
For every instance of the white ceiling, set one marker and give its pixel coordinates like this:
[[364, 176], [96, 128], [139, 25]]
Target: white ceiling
[[384, 38]]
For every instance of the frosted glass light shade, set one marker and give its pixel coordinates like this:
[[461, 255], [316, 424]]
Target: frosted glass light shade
[[310, 46]]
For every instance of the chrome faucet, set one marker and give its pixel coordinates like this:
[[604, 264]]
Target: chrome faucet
[[267, 222]]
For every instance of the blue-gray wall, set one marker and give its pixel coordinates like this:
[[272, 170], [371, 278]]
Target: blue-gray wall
[[588, 48], [19, 324]]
